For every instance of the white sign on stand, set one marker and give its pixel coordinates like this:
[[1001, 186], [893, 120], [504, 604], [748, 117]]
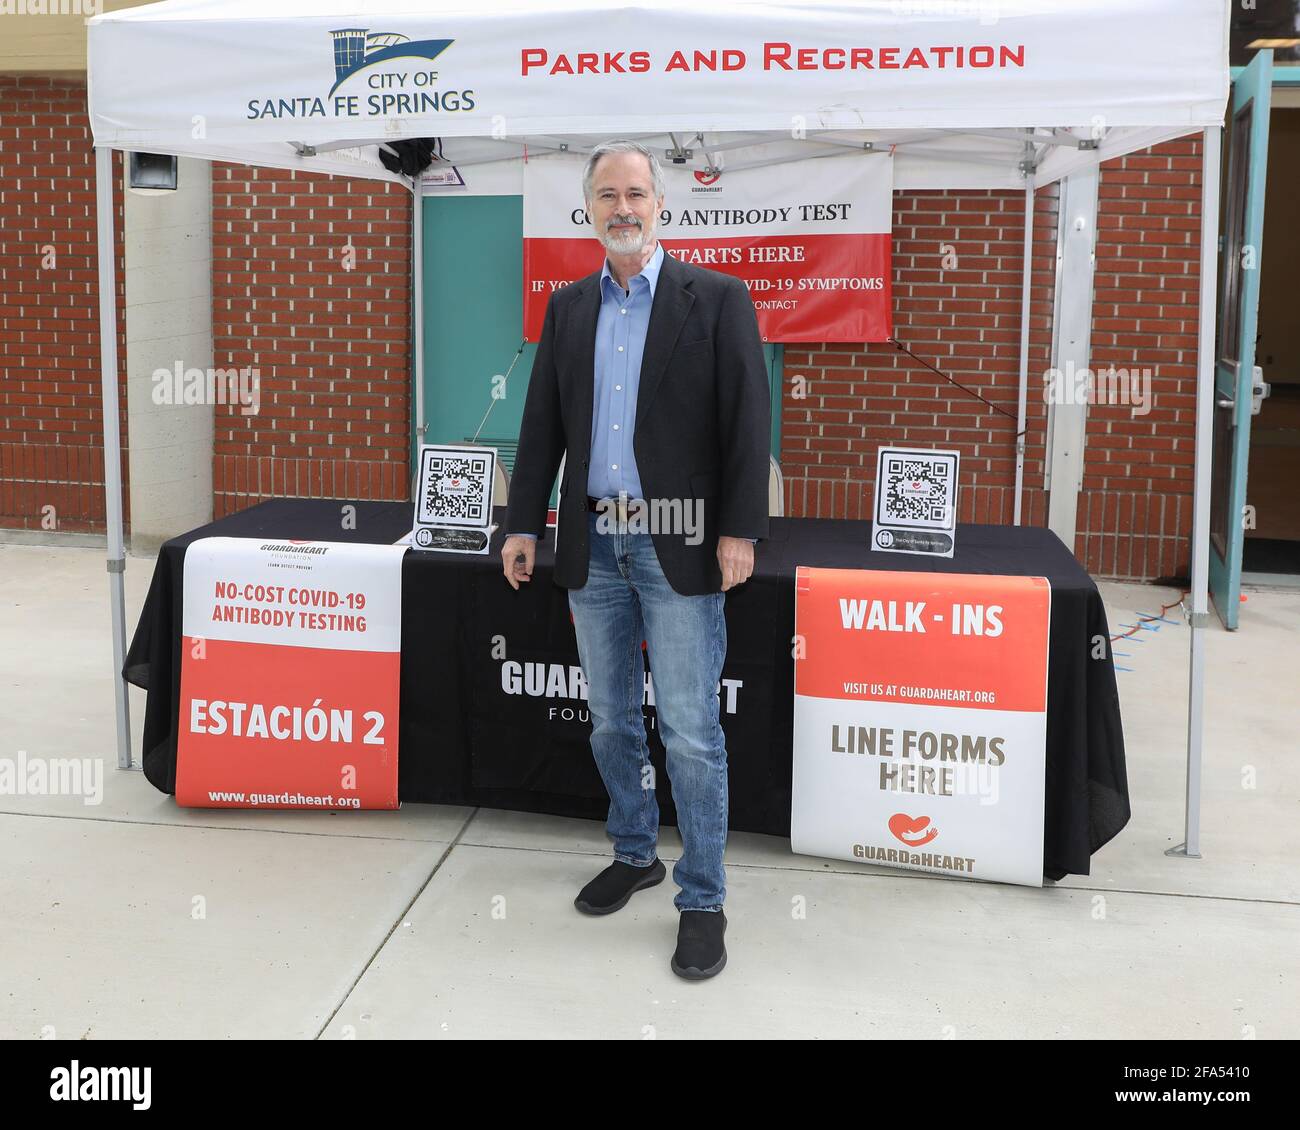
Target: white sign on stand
[[920, 721], [916, 502], [453, 498]]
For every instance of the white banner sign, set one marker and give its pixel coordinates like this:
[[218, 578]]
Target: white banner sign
[[203, 76], [920, 721], [290, 674], [810, 239]]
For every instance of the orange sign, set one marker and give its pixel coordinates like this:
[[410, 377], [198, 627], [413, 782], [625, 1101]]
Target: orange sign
[[290, 679], [894, 637], [920, 720]]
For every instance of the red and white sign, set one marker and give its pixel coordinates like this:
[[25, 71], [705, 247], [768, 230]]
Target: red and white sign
[[810, 239], [290, 678], [920, 721]]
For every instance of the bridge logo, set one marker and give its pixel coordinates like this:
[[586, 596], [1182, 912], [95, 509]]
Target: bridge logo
[[356, 48]]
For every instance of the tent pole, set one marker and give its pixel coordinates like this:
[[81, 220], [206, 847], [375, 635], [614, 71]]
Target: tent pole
[[1200, 545], [112, 443], [417, 303], [1021, 410]]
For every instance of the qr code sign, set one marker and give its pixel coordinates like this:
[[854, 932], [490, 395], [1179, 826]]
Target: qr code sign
[[455, 489], [917, 489]]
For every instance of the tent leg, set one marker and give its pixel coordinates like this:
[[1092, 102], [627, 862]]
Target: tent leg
[[112, 444], [417, 305], [1024, 346], [1200, 548]]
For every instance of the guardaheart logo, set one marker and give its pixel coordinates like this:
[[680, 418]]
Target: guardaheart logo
[[707, 182], [914, 831]]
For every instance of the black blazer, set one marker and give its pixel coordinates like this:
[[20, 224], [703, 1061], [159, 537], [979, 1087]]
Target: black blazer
[[703, 421]]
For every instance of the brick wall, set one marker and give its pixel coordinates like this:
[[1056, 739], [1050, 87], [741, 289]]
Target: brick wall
[[329, 333], [1134, 512], [51, 423], [311, 285], [1135, 509]]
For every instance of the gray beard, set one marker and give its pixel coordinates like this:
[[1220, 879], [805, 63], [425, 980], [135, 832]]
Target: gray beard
[[625, 244]]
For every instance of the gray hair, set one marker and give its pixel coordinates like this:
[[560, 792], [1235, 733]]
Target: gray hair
[[607, 147]]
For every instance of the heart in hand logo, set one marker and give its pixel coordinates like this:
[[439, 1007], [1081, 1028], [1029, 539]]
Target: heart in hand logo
[[912, 831]]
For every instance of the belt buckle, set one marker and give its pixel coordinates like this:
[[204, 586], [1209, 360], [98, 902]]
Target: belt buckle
[[625, 508]]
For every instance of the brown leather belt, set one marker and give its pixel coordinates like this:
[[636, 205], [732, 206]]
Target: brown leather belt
[[622, 510]]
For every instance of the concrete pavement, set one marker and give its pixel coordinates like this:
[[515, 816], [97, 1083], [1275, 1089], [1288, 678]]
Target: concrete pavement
[[134, 918]]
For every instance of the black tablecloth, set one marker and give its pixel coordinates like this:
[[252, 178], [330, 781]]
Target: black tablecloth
[[473, 649]]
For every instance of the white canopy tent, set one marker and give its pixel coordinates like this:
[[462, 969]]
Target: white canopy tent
[[962, 93]]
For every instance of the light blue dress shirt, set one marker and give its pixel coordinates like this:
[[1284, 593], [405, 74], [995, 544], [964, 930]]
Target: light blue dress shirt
[[621, 329]]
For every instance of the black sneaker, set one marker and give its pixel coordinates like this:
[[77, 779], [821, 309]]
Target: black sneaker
[[700, 952], [610, 890]]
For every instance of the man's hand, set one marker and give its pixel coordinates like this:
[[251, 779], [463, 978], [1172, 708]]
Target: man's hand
[[517, 559], [736, 560]]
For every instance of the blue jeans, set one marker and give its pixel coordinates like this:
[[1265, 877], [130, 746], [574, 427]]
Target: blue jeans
[[626, 600]]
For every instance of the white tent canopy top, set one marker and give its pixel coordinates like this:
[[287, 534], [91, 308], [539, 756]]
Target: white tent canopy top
[[964, 92], [961, 93]]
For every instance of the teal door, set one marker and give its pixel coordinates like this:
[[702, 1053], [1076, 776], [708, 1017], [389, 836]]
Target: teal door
[[474, 323], [1243, 247]]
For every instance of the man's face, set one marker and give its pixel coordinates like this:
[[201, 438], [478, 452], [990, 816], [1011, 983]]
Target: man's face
[[624, 211]]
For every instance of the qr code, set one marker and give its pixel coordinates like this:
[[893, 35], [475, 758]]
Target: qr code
[[918, 491], [456, 489]]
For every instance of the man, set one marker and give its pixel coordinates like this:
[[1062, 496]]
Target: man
[[650, 374]]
